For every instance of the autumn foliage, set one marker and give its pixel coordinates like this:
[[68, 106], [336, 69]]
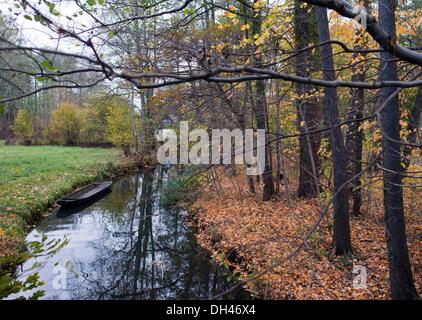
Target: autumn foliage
[[23, 126], [120, 126], [65, 124], [271, 247]]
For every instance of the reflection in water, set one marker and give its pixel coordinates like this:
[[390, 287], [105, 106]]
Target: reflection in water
[[126, 247]]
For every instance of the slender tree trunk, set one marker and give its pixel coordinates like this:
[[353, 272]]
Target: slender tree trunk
[[277, 131], [245, 121], [309, 114], [134, 128], [357, 150], [143, 49], [354, 137], [341, 228], [281, 165], [401, 278], [414, 120], [260, 114], [212, 11], [267, 175]]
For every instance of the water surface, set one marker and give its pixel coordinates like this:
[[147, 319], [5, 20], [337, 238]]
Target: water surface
[[126, 246]]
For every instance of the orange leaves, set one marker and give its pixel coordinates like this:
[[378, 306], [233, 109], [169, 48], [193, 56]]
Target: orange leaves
[[265, 234]]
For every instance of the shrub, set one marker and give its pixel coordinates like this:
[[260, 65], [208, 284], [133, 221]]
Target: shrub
[[94, 121], [23, 126], [120, 125], [65, 124]]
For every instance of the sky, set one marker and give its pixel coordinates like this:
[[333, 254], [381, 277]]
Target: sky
[[37, 35]]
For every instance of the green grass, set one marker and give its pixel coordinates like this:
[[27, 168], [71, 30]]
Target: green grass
[[32, 178]]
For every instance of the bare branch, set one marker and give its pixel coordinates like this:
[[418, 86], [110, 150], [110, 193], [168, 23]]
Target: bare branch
[[370, 23]]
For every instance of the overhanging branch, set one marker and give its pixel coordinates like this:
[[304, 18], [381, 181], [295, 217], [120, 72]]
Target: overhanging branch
[[370, 23]]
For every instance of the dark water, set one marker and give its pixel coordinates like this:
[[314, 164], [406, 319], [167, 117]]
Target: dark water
[[125, 246]]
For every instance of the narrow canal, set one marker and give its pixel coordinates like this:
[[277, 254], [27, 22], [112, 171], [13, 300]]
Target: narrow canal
[[126, 246]]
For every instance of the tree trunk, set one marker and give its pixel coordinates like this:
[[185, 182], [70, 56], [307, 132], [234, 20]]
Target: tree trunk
[[267, 175], [134, 127], [341, 227], [401, 278], [260, 114], [354, 137], [245, 121], [281, 164], [413, 125], [309, 115], [278, 135], [357, 153]]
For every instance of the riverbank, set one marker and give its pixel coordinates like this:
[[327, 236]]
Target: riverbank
[[33, 177], [263, 242]]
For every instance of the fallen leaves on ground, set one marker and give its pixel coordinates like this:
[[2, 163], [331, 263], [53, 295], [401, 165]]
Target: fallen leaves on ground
[[260, 241]]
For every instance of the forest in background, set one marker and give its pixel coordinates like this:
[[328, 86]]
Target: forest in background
[[339, 93]]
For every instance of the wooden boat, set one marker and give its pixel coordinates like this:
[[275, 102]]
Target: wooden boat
[[85, 194], [66, 211]]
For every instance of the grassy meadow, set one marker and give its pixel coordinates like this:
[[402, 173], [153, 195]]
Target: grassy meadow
[[33, 177]]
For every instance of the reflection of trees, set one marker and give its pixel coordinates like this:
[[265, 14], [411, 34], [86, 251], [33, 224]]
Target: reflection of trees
[[122, 196], [146, 252]]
